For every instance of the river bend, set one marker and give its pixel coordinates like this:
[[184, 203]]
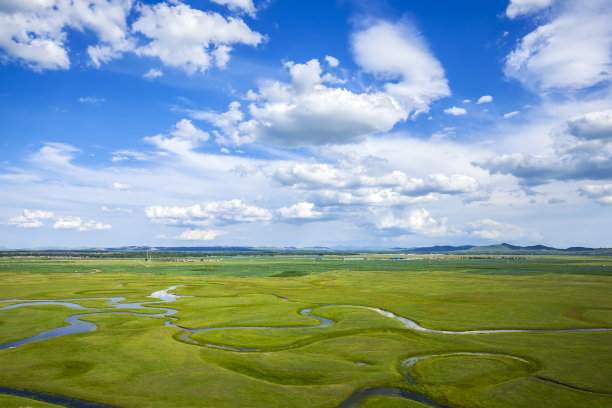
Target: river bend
[[76, 325]]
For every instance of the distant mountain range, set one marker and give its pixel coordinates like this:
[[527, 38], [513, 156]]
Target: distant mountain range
[[499, 249], [508, 249]]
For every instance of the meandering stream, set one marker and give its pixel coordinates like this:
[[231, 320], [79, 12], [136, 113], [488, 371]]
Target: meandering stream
[[76, 325]]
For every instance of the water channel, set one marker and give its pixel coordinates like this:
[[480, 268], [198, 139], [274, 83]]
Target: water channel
[[76, 325]]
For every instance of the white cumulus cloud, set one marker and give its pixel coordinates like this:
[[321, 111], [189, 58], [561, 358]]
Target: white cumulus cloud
[[30, 219], [35, 32], [94, 225], [184, 137], [522, 7], [592, 125], [601, 194], [399, 54], [121, 187], [71, 222], [307, 112], [54, 156], [38, 214], [189, 38], [246, 6], [227, 123], [438, 183], [485, 99], [199, 235], [416, 221], [313, 109], [495, 230], [302, 210], [332, 61], [357, 181], [184, 129], [582, 152], [222, 212], [68, 223], [570, 51], [153, 73], [455, 111]]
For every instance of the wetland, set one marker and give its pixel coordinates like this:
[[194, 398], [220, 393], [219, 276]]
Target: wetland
[[426, 332]]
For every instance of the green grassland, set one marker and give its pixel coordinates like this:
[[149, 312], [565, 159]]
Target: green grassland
[[137, 361]]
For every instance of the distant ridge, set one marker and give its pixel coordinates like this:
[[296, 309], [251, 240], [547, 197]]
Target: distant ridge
[[508, 249], [184, 249], [498, 249], [440, 248]]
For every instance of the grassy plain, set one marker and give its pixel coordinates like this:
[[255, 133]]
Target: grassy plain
[[133, 361]]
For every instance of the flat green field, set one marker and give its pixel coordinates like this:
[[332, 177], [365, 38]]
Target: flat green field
[[267, 351]]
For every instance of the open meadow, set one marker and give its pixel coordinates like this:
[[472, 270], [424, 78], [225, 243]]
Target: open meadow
[[306, 331]]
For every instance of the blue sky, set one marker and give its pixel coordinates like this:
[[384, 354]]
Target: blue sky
[[303, 123]]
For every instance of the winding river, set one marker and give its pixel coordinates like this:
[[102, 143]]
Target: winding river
[[76, 325]]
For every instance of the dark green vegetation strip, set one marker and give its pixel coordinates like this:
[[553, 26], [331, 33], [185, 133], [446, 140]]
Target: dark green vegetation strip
[[290, 274], [550, 380], [297, 266]]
